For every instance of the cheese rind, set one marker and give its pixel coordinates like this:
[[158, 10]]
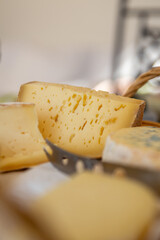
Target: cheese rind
[[138, 146], [79, 119], [96, 206], [21, 143]]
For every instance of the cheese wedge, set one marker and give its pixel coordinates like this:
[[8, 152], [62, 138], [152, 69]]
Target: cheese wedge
[[138, 146], [21, 143], [79, 119], [96, 206]]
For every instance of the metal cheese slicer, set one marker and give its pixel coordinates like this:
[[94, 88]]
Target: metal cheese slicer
[[70, 163]]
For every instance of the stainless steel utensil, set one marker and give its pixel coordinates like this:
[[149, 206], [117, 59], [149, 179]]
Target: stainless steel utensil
[[68, 163]]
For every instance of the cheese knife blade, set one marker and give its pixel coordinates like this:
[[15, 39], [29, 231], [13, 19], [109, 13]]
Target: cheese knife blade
[[58, 156]]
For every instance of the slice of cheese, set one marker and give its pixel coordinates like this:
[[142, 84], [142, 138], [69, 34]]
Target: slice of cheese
[[79, 119], [138, 146], [98, 207], [21, 143]]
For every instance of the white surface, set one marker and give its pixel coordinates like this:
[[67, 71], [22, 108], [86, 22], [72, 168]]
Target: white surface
[[25, 186]]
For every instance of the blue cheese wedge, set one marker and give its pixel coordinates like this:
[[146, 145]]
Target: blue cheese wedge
[[79, 119], [139, 146], [94, 206]]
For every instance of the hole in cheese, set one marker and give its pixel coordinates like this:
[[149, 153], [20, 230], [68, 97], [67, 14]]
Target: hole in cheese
[[100, 106], [71, 137]]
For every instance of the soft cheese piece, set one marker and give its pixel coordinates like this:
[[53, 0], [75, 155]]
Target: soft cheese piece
[[21, 143], [79, 119], [96, 206], [138, 146]]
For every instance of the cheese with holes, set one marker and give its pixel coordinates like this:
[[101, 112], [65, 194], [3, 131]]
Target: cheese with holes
[[21, 143], [79, 119], [138, 146], [96, 206]]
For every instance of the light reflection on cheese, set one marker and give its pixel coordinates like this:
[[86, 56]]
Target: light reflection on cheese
[[21, 143], [79, 119]]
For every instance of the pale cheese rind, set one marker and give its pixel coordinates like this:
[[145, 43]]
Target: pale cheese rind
[[96, 206], [79, 119], [21, 143], [139, 146]]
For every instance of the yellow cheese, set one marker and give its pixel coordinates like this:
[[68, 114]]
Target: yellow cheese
[[98, 207], [21, 143], [79, 119], [138, 146]]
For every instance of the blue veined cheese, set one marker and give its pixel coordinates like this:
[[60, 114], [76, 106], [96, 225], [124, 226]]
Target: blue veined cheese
[[21, 143], [94, 206], [79, 119], [139, 146]]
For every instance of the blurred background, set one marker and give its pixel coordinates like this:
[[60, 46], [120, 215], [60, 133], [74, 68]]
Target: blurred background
[[98, 44]]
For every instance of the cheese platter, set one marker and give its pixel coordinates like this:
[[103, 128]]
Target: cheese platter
[[87, 135]]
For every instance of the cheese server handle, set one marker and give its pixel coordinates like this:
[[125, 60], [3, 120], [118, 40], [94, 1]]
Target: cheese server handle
[[58, 156]]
